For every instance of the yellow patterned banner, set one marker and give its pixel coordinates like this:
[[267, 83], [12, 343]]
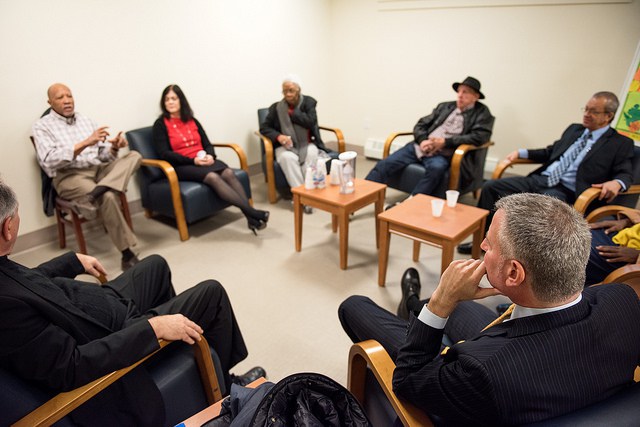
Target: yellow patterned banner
[[629, 113]]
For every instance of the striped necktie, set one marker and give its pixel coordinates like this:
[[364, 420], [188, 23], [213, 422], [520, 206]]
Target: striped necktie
[[566, 160]]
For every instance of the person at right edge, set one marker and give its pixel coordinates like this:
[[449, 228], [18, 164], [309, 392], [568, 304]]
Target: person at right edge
[[591, 154]]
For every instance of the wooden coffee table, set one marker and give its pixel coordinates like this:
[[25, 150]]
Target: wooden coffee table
[[340, 206], [412, 219]]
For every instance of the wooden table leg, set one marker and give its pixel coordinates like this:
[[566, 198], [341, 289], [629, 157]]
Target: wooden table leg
[[416, 251], [447, 255], [334, 222], [478, 236], [343, 225], [297, 221], [379, 207], [383, 252]]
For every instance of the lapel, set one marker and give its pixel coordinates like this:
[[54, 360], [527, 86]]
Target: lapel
[[44, 288], [540, 323], [602, 141]]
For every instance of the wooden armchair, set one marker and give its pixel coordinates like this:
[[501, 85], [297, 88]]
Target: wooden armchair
[[465, 173], [62, 404], [187, 201], [276, 181], [628, 198]]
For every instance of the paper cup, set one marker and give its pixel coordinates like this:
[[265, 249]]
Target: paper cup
[[452, 198], [437, 205]]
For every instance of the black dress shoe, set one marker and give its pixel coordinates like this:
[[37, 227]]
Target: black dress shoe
[[465, 248], [127, 264], [250, 376], [410, 285]]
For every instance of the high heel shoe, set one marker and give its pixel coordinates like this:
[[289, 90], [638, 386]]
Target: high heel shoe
[[265, 216], [255, 224]]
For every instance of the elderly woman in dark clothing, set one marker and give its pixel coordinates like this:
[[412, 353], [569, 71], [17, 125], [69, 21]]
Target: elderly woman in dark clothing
[[181, 140]]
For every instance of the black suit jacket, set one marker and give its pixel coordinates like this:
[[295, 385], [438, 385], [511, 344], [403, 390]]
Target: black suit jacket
[[526, 369], [305, 115], [62, 334], [609, 158]]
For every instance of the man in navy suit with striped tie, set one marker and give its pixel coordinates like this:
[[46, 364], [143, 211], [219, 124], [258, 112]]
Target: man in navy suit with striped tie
[[591, 154], [563, 348]]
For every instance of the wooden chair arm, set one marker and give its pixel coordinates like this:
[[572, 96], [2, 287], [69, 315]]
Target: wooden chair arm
[[269, 159], [628, 274], [605, 211], [242, 156], [174, 188], [339, 137], [390, 138], [590, 194], [456, 161], [506, 164], [62, 404], [371, 353]]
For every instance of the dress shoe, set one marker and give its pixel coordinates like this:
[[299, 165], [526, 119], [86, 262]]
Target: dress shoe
[[127, 264], [465, 248], [250, 376], [386, 208], [255, 224], [308, 210], [84, 206], [410, 285]]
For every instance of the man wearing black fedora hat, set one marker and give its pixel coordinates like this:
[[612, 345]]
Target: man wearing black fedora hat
[[436, 136]]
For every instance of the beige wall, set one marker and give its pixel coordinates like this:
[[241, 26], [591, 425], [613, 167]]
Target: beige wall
[[373, 72]]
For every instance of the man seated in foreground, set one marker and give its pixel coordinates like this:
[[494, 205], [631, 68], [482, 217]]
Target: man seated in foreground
[[614, 243], [436, 137], [563, 348], [62, 333]]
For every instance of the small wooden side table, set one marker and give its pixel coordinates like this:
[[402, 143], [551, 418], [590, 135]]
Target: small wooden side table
[[340, 206], [412, 219]]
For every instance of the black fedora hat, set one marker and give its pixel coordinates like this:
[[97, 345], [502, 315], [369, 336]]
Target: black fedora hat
[[472, 83]]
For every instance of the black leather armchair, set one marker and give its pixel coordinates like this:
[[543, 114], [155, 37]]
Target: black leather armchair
[[188, 384], [276, 181], [161, 192], [466, 173]]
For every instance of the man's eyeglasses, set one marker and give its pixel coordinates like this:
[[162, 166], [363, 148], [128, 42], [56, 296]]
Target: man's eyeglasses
[[591, 112]]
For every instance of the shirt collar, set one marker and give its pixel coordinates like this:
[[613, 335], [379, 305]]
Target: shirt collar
[[596, 134], [519, 311], [69, 120]]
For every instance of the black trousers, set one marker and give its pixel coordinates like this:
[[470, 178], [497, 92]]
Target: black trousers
[[362, 319], [495, 189], [148, 285]]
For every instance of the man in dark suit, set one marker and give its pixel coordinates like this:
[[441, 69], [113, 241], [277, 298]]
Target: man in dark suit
[[62, 333], [563, 347], [588, 155], [436, 137]]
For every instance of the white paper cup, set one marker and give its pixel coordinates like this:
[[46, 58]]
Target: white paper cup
[[335, 171], [437, 205], [452, 198]]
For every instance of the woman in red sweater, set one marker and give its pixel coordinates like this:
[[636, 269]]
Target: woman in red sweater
[[181, 140]]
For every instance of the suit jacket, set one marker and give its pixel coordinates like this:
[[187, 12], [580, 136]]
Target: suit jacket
[[609, 158], [61, 334], [527, 369], [305, 116], [477, 128]]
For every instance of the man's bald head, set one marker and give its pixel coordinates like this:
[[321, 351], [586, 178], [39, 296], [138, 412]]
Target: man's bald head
[[61, 99]]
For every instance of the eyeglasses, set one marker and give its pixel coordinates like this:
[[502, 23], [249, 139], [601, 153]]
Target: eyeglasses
[[591, 112]]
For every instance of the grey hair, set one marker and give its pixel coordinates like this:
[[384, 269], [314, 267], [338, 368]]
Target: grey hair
[[611, 101], [8, 202], [550, 239], [292, 78]]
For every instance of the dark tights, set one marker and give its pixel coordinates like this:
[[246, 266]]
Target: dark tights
[[227, 186]]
